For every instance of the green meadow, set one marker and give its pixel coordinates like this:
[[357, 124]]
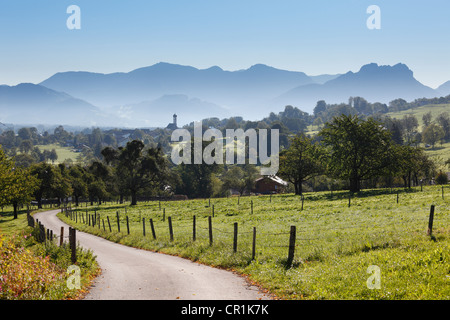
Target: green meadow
[[337, 240], [64, 153]]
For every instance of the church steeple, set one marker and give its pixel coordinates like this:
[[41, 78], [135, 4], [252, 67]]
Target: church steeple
[[174, 124]]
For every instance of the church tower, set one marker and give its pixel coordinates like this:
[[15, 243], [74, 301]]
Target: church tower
[[175, 120], [174, 124]]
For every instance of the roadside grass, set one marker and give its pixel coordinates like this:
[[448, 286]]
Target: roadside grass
[[335, 243], [38, 271]]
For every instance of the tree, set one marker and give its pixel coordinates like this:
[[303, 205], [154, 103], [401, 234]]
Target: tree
[[426, 118], [78, 180], [410, 124], [22, 186], [26, 146], [53, 156], [321, 106], [441, 178], [410, 163], [359, 149], [196, 180], [432, 134], [443, 120], [137, 169], [49, 179], [240, 178], [16, 184], [301, 161]]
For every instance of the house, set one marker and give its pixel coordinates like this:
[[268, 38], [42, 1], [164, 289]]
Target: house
[[270, 184]]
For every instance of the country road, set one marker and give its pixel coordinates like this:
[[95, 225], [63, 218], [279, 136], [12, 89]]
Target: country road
[[133, 274]]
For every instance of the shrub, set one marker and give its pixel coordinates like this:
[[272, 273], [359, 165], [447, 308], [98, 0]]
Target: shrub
[[24, 276], [442, 178]]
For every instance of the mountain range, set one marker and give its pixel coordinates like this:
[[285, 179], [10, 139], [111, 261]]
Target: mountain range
[[148, 97]]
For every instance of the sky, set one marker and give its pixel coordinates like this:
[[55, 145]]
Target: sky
[[315, 37]]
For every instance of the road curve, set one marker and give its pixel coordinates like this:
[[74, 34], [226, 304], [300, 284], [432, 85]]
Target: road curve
[[133, 274]]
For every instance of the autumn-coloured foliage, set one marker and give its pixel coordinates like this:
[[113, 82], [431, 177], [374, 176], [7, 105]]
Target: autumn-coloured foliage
[[25, 276]]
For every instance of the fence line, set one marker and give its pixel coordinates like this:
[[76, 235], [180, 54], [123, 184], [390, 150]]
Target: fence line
[[42, 235], [94, 221]]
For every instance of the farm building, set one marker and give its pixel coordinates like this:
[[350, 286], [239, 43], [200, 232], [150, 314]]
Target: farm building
[[270, 184]]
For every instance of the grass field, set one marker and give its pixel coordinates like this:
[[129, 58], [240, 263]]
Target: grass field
[[420, 111], [335, 243], [440, 152], [64, 153]]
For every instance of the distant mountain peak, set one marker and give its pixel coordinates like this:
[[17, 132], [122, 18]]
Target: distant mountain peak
[[374, 68]]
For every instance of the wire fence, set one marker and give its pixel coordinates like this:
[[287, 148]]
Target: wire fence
[[257, 238]]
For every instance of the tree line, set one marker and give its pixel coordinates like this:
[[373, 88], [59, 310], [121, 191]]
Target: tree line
[[353, 150], [350, 151]]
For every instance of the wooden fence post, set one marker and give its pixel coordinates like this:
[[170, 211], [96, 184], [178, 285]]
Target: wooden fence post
[[170, 228], [128, 226], [153, 229], [251, 204], [430, 221], [73, 244], [235, 238], [303, 200], [118, 221], [291, 245], [254, 244], [143, 226], [41, 232], [109, 223], [61, 237], [210, 231], [193, 229]]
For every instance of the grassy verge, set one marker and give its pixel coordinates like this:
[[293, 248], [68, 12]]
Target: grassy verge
[[38, 271], [335, 243]]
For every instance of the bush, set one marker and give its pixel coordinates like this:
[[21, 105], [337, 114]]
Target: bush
[[23, 275], [37, 271], [441, 178]]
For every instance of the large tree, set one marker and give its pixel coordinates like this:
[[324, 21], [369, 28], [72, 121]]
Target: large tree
[[53, 183], [196, 179], [432, 134], [138, 169], [16, 184], [301, 161], [359, 149], [240, 177]]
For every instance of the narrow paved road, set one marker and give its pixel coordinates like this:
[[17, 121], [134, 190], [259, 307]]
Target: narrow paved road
[[133, 274]]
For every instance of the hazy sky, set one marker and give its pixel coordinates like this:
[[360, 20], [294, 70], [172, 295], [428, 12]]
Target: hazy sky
[[320, 36]]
